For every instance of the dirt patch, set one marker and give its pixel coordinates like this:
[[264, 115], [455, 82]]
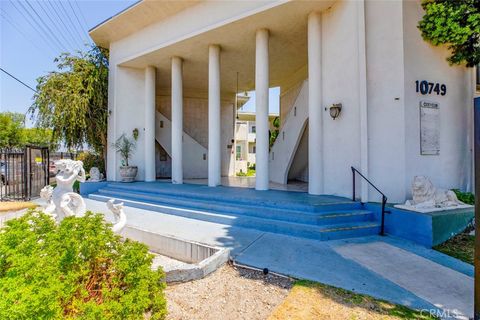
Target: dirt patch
[[228, 293], [16, 205], [462, 247], [309, 300]]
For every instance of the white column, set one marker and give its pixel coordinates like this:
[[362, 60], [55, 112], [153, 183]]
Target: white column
[[261, 105], [177, 121], [150, 174], [362, 97], [214, 131], [315, 138]]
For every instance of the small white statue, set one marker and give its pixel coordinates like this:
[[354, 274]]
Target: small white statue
[[95, 175], [63, 202], [46, 194], [120, 217], [425, 195], [63, 196]]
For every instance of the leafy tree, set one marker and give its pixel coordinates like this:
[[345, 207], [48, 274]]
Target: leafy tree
[[73, 100], [40, 137], [11, 129], [455, 23], [13, 133]]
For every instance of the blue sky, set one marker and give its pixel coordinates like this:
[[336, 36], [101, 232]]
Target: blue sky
[[273, 101], [34, 32], [27, 47]]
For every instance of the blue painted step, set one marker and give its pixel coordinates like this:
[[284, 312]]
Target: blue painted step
[[323, 232], [273, 198], [317, 218]]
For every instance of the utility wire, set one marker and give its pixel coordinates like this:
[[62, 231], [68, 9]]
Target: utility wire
[[78, 20], [85, 23], [29, 21], [74, 26], [46, 25], [55, 25], [11, 75], [33, 41], [59, 5], [59, 16]]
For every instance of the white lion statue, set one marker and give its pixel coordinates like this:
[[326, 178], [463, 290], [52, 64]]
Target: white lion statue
[[425, 195], [63, 202]]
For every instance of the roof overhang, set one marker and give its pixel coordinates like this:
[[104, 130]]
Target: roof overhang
[[135, 17], [287, 25]]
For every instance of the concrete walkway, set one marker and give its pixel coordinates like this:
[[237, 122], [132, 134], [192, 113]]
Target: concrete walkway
[[383, 267]]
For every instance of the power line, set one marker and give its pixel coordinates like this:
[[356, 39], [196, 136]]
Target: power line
[[72, 23], [83, 18], [39, 27], [29, 21], [19, 30], [60, 6], [78, 20], [55, 24], [63, 23], [11, 75], [46, 25]]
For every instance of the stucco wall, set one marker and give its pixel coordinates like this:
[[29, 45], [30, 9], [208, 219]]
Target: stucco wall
[[287, 100], [129, 114], [341, 143], [195, 116], [385, 98], [423, 61], [195, 124]]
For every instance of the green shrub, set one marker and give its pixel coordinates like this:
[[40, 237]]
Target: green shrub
[[465, 197], [90, 160], [78, 269]]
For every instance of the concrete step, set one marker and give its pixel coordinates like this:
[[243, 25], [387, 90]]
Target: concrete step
[[324, 232], [272, 198], [317, 218]]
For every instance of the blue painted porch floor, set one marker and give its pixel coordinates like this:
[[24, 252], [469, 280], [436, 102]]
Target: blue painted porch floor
[[383, 267]]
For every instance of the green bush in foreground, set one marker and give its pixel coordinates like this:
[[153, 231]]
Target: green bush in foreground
[[78, 269]]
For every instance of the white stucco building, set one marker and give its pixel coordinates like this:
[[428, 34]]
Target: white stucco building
[[245, 144], [173, 76]]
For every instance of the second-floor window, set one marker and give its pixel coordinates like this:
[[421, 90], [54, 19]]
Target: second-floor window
[[254, 129]]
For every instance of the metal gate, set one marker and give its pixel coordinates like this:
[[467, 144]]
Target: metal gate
[[37, 168], [24, 172]]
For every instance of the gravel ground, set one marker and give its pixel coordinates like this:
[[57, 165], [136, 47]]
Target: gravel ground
[[228, 293]]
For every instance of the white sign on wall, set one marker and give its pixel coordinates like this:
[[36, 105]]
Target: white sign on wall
[[429, 128]]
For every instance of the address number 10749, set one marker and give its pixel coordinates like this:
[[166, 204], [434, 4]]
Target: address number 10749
[[425, 87]]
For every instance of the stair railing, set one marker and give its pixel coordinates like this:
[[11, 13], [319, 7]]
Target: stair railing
[[384, 197]]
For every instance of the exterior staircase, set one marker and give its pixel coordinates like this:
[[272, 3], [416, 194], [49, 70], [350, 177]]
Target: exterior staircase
[[290, 213], [284, 149], [195, 164]]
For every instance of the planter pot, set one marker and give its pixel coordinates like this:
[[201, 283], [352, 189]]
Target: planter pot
[[128, 173]]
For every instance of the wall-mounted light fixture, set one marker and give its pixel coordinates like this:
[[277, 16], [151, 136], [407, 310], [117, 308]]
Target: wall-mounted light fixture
[[335, 110]]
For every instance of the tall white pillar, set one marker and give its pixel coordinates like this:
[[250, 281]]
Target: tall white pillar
[[261, 105], [150, 174], [177, 121], [214, 131], [315, 138]]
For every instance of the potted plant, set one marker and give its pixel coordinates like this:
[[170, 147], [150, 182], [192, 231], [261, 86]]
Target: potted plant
[[125, 146]]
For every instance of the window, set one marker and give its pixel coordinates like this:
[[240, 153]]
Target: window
[[239, 153], [254, 149], [254, 129]]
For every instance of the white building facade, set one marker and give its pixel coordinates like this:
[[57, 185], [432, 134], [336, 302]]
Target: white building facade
[[404, 110]]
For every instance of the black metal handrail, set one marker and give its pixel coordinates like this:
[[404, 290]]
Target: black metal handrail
[[384, 197]]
